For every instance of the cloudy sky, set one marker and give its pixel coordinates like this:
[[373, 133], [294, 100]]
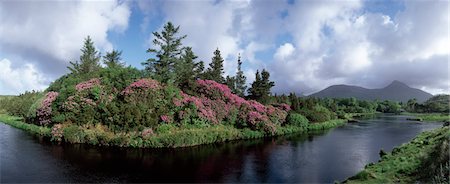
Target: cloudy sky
[[306, 45]]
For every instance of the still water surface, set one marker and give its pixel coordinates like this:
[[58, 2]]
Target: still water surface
[[319, 158]]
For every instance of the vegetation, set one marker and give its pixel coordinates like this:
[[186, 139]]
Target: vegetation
[[260, 88], [424, 159], [167, 135], [173, 99], [18, 123], [215, 70]]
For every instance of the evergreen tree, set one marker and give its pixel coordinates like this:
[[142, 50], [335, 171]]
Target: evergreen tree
[[186, 69], [240, 80], [199, 70], [168, 51], [89, 59], [231, 83], [254, 90], [215, 70], [260, 89], [113, 60]]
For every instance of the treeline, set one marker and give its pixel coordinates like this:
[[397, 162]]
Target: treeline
[[175, 64]]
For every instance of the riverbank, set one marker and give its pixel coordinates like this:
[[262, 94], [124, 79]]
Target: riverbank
[[423, 159], [165, 136], [430, 116]]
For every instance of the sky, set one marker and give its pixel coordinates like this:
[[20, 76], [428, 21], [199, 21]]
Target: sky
[[306, 45]]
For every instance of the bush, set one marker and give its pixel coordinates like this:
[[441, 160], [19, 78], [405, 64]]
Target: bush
[[297, 120], [20, 105]]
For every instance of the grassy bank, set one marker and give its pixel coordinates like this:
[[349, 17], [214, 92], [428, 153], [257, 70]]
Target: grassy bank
[[18, 123], [423, 159], [430, 116], [164, 136]]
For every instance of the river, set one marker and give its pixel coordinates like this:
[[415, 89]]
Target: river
[[322, 157]]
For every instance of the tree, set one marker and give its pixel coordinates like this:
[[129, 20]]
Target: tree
[[240, 80], [113, 60], [411, 105], [255, 90], [260, 89], [231, 83], [89, 59], [266, 83], [167, 51], [215, 70], [186, 70], [199, 70]]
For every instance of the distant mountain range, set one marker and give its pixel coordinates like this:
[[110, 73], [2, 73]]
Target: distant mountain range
[[396, 91]]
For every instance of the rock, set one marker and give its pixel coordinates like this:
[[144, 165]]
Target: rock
[[447, 123]]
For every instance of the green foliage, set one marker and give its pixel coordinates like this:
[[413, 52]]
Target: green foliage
[[389, 107], [231, 83], [215, 70], [18, 123], [325, 125], [260, 88], [297, 120], [168, 48], [20, 105], [240, 80], [187, 70], [419, 160], [317, 113], [89, 59], [113, 60]]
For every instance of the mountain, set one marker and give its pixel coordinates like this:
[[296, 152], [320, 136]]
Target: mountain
[[396, 91]]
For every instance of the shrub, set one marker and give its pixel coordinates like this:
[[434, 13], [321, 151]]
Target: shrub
[[19, 105], [298, 120], [44, 112]]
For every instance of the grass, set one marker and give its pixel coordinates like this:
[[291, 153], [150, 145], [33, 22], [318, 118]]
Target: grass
[[165, 136], [430, 116], [18, 123], [410, 162]]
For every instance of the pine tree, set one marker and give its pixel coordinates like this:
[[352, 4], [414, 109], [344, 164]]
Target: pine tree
[[260, 89], [186, 69], [199, 70], [113, 60], [215, 70], [254, 90], [240, 80], [167, 55], [231, 83], [89, 59]]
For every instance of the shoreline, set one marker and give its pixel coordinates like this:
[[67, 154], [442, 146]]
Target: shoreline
[[408, 162], [172, 137]]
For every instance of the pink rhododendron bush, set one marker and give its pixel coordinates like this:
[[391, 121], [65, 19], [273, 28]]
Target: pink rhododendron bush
[[216, 104], [145, 104]]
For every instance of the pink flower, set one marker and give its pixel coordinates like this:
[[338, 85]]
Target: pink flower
[[141, 85], [44, 112], [87, 84], [285, 107], [57, 132], [166, 118]]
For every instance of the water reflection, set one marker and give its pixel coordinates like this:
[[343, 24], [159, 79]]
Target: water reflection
[[319, 157]]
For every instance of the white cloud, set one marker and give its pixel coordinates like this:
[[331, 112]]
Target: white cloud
[[340, 42], [18, 80], [284, 51], [234, 27], [49, 34]]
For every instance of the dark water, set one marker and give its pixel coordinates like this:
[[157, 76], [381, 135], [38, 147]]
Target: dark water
[[324, 157]]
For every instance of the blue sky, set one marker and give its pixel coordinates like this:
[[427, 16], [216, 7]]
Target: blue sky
[[306, 45]]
